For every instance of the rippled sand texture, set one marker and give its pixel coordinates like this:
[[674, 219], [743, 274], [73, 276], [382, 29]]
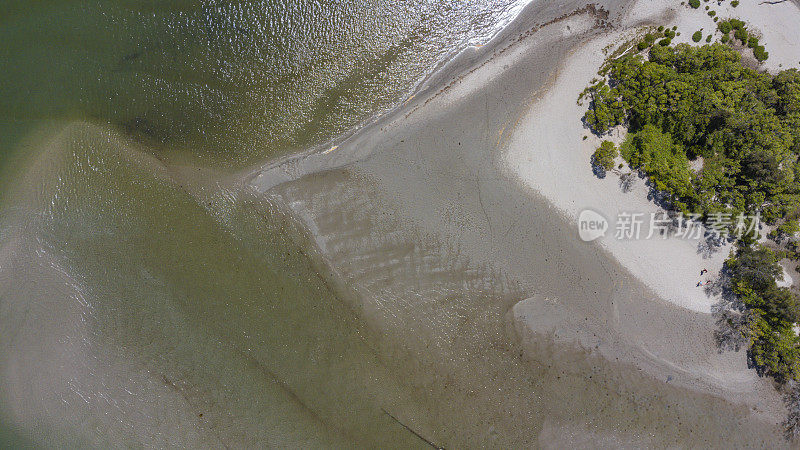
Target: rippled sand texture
[[399, 291], [440, 247], [136, 312]]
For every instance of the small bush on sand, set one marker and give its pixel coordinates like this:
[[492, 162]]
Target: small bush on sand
[[605, 154], [760, 54]]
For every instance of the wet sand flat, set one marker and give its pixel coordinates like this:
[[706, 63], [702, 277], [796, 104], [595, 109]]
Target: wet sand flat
[[449, 254]]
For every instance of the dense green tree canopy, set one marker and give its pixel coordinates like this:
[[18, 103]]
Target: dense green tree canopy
[[743, 123], [605, 154], [773, 311], [717, 136]]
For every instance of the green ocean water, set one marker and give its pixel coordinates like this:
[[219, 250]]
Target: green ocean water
[[144, 298], [149, 298], [225, 82]]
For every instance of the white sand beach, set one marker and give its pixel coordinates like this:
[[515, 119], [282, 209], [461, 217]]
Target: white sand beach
[[548, 154]]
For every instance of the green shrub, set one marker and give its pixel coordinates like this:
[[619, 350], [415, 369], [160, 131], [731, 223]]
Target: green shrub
[[709, 37], [735, 3], [760, 54], [689, 101], [774, 349], [787, 85], [697, 36], [657, 155], [605, 154], [660, 28], [606, 110], [789, 227], [741, 35], [712, 13], [646, 41], [694, 3], [752, 42], [749, 152], [725, 39], [772, 310]]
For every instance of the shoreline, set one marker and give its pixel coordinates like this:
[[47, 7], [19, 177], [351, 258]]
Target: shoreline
[[672, 266], [401, 164], [551, 157], [420, 282], [446, 75]]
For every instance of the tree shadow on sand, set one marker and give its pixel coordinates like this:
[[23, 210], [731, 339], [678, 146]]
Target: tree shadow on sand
[[626, 182], [710, 244], [729, 314]]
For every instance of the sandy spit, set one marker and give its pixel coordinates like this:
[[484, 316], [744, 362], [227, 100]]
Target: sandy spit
[[453, 220]]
